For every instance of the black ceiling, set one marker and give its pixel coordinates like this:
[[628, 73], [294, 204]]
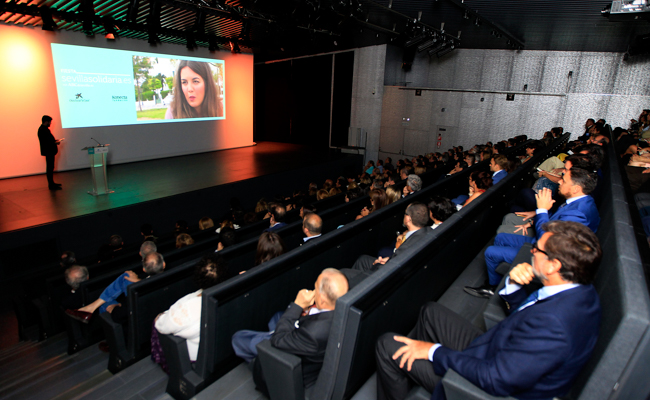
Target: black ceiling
[[275, 29]]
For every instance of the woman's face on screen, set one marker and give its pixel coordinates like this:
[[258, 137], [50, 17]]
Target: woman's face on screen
[[193, 87]]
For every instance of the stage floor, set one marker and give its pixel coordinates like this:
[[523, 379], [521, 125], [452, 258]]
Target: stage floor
[[27, 202]]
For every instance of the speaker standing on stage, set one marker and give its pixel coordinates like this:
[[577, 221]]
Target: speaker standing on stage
[[49, 148]]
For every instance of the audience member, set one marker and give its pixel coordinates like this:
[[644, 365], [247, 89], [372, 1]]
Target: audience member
[[75, 275], [146, 230], [312, 226], [498, 166], [68, 259], [536, 352], [183, 240], [413, 184], [440, 209], [575, 186], [226, 238], [112, 249], [183, 319], [152, 264], [275, 215], [269, 246], [205, 223], [303, 328], [415, 218]]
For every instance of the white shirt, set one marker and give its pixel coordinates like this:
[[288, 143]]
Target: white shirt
[[183, 319]]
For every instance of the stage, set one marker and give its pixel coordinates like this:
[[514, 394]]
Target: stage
[[27, 202]]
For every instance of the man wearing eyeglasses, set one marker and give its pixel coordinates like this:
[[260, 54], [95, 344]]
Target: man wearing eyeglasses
[[536, 352], [575, 186]]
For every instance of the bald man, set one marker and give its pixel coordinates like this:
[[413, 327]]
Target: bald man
[[312, 226], [302, 330]]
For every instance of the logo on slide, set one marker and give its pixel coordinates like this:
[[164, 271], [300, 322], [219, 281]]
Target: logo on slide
[[120, 98], [78, 98]]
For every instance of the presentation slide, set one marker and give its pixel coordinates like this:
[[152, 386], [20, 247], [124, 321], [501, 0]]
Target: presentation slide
[[104, 87]]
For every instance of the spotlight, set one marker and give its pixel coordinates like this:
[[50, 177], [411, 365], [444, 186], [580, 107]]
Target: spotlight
[[46, 17], [477, 22], [415, 40], [446, 51], [427, 44], [437, 49]]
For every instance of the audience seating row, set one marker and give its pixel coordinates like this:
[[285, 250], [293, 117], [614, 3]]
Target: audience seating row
[[390, 299], [261, 292], [619, 365]]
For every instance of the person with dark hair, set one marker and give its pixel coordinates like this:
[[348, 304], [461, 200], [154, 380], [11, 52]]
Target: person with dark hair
[[531, 149], [206, 223], [440, 209], [195, 93], [415, 218], [499, 167], [181, 226], [534, 353], [269, 246], [110, 250], [378, 200], [146, 230], [183, 319], [312, 226], [68, 259], [276, 215], [479, 182], [183, 240], [49, 149], [152, 264], [226, 238], [388, 164], [575, 186]]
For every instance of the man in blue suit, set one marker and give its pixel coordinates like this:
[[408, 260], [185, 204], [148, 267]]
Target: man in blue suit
[[575, 186], [276, 215], [498, 166], [535, 353]]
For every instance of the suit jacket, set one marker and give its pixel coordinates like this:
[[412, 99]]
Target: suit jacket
[[500, 174], [48, 143], [305, 337], [534, 353], [411, 241], [583, 211], [275, 227]]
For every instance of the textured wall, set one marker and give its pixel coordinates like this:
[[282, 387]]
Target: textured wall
[[367, 94], [602, 85]]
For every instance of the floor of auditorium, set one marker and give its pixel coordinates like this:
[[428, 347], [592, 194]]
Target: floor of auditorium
[[26, 201]]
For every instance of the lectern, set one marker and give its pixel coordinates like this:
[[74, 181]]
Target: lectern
[[97, 156]]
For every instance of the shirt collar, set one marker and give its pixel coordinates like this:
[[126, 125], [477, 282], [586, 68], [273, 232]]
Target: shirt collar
[[310, 238], [572, 199], [548, 291]]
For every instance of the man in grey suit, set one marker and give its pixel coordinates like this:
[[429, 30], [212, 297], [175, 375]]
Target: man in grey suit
[[416, 217]]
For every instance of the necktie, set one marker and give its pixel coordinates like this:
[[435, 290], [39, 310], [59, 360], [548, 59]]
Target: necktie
[[399, 242], [530, 300]]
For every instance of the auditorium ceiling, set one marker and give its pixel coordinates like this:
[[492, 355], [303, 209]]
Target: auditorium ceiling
[[275, 29]]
